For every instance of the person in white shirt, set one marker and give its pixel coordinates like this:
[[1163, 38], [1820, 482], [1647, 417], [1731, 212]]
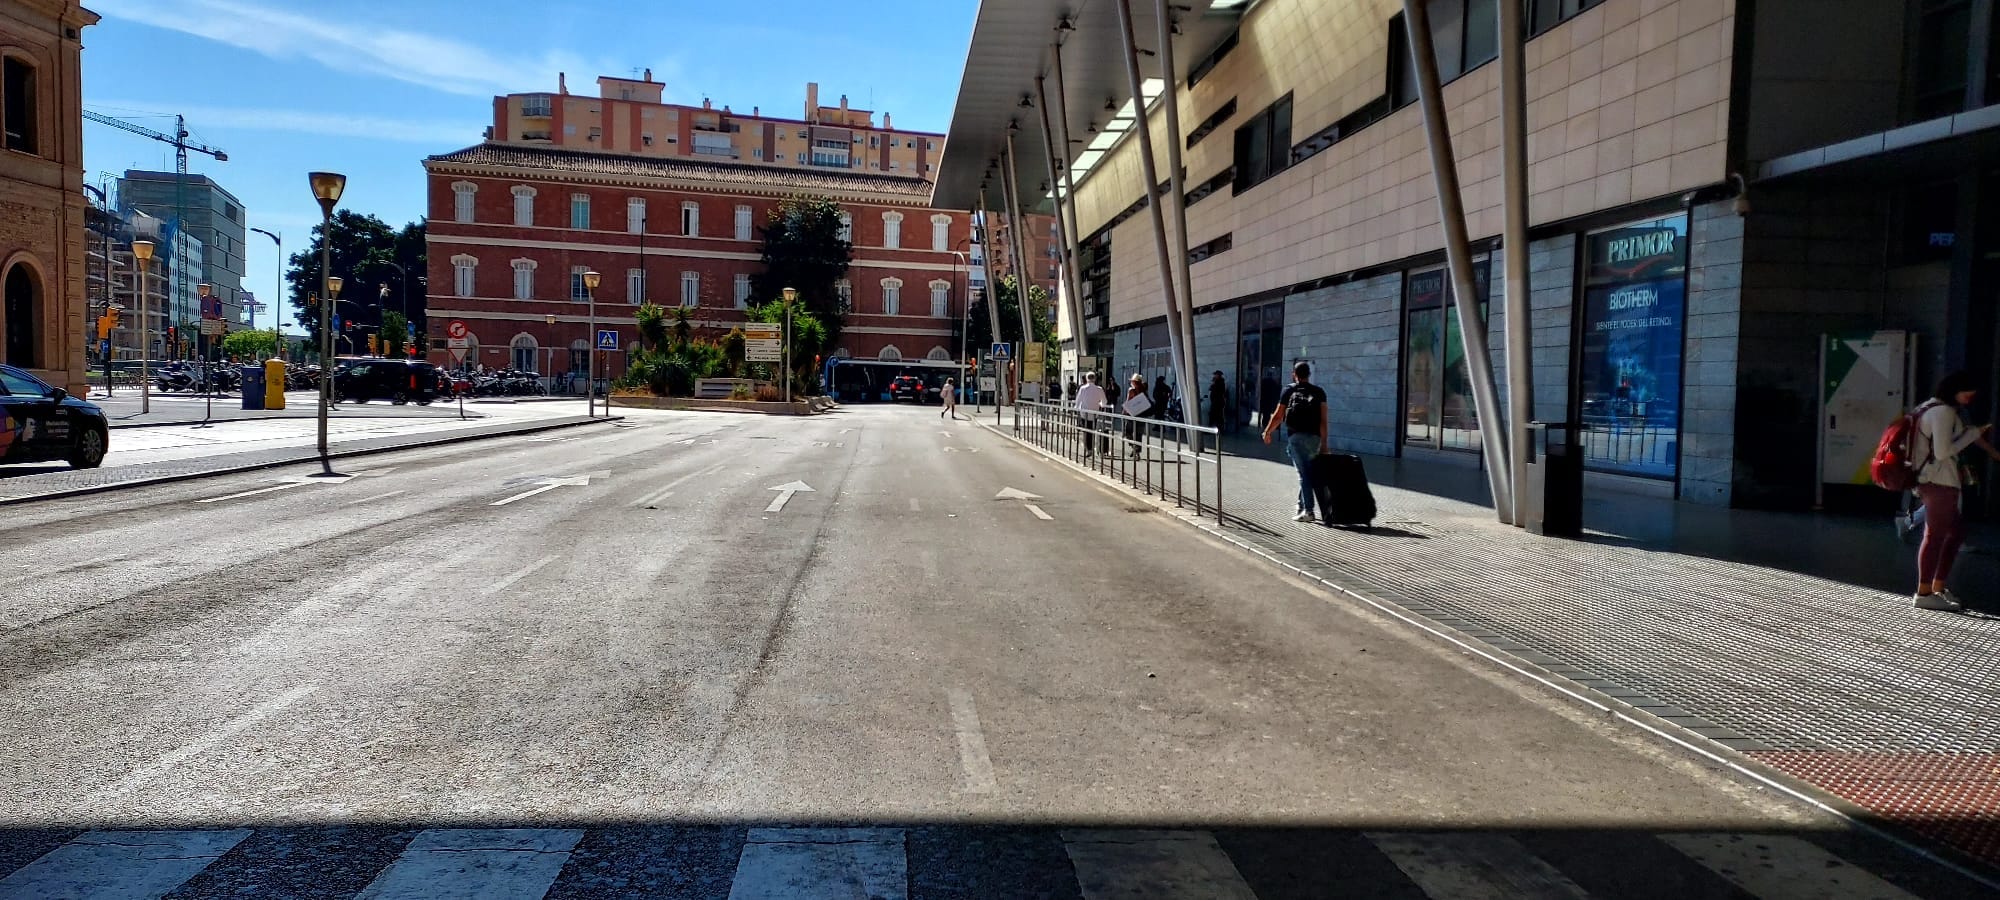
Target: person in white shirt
[[1941, 434], [1089, 402], [949, 395]]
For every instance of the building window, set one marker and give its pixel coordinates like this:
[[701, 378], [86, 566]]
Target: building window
[[847, 226], [577, 289], [742, 223], [1629, 355], [1264, 145], [579, 357], [524, 355], [843, 291], [635, 286], [690, 219], [941, 232], [742, 290], [1465, 35], [635, 216], [18, 102], [890, 353], [892, 296], [524, 206], [690, 289], [23, 308], [1438, 411], [940, 299], [524, 279], [892, 230], [463, 269], [537, 105], [462, 195], [579, 211], [1546, 14]]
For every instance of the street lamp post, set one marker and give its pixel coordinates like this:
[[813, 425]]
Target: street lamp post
[[965, 310], [550, 321], [207, 370], [326, 188], [279, 239], [791, 296], [591, 279], [142, 261]]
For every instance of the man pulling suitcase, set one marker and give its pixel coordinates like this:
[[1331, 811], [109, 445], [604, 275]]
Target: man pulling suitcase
[[1336, 483]]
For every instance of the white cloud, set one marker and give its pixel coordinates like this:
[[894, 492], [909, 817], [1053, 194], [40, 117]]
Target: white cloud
[[418, 58], [296, 121]]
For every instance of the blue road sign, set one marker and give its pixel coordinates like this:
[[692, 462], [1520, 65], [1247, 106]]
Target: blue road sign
[[607, 339], [1001, 350], [336, 321]]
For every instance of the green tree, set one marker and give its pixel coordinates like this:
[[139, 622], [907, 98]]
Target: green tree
[[250, 345], [364, 247], [395, 333], [803, 250], [979, 330], [652, 326]]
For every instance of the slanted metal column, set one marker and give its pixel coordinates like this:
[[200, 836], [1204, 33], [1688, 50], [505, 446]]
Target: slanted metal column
[[1017, 223], [1059, 187], [1457, 246], [1144, 133], [1177, 203], [992, 289], [1514, 178], [1066, 202]]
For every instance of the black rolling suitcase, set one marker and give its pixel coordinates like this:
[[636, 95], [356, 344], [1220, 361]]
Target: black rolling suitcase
[[1340, 487]]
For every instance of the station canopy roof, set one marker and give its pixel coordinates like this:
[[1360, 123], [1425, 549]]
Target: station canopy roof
[[1012, 42]]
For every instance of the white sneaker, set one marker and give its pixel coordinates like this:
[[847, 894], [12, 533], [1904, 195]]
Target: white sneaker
[[1951, 595], [1305, 515], [1940, 601]]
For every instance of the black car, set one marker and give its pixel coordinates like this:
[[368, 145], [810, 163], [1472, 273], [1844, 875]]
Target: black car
[[39, 423], [907, 387], [360, 379]]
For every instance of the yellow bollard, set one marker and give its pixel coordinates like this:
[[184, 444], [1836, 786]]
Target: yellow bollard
[[274, 384]]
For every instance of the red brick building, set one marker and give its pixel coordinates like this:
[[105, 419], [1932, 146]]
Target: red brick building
[[515, 221]]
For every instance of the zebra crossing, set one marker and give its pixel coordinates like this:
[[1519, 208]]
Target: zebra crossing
[[910, 863]]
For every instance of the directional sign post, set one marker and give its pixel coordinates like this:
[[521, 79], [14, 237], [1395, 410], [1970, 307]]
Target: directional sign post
[[785, 492], [762, 342]]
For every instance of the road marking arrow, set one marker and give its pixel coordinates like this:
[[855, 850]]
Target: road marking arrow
[[1015, 494], [550, 484], [1038, 512], [785, 492], [288, 484]]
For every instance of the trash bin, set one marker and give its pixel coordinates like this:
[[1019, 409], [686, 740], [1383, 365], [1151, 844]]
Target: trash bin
[[274, 384], [253, 387], [1554, 501]]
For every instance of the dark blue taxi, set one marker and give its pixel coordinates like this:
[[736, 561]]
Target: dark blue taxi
[[39, 423]]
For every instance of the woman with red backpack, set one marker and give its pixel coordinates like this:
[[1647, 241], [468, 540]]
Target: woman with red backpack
[[1939, 436]]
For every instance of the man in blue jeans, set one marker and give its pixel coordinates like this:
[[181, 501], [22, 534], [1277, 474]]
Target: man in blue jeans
[[1302, 410]]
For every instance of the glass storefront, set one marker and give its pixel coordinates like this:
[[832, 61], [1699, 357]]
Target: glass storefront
[[1629, 355], [1438, 410], [1261, 371]]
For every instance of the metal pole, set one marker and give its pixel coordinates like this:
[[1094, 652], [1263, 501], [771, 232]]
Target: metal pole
[[1177, 204], [992, 298], [1451, 210], [1066, 200], [1514, 171], [1023, 271], [590, 356], [325, 330], [1058, 181], [1144, 131], [145, 339]]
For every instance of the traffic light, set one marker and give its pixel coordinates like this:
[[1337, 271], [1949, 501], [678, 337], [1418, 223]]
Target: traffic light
[[373, 349], [171, 339]]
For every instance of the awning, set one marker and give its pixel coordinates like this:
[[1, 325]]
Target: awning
[[1011, 44]]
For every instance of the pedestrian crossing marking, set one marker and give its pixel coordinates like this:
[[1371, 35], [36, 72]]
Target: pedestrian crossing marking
[[1153, 865], [822, 864], [119, 865], [1475, 867], [1779, 866], [476, 864]]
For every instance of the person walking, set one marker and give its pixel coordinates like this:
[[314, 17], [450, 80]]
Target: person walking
[[949, 395], [1090, 401], [1163, 397], [1301, 408], [1218, 403], [1941, 434]]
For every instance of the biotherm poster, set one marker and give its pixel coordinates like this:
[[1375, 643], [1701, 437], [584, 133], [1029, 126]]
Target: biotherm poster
[[1633, 331]]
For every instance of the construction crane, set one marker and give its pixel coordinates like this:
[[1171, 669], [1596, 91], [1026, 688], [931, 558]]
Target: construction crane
[[181, 144]]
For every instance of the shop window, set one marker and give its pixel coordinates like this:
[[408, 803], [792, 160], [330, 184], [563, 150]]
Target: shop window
[[1260, 357], [1629, 352], [1438, 409], [1264, 145]]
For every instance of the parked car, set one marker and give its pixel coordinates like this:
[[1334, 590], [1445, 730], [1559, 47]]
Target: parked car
[[907, 387], [360, 379], [40, 423]]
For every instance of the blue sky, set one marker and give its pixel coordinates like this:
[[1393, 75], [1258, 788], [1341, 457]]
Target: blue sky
[[370, 87]]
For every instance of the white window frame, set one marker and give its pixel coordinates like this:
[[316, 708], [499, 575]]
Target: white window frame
[[941, 232], [890, 353], [524, 341], [578, 292], [463, 197], [940, 299], [579, 203], [464, 274], [635, 286], [844, 290], [892, 296], [635, 215], [847, 226], [524, 279], [690, 219], [742, 222], [892, 231], [742, 290], [524, 206], [690, 289]]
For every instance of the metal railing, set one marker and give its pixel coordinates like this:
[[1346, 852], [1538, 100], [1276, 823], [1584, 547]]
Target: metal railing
[[1155, 456]]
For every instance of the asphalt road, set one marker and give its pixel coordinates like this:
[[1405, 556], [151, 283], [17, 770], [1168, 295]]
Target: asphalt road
[[621, 663]]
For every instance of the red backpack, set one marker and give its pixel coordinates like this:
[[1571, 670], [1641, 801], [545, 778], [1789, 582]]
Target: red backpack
[[1891, 469]]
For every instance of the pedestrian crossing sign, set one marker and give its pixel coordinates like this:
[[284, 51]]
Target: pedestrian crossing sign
[[1001, 350]]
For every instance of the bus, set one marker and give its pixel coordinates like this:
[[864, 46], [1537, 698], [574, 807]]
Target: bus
[[867, 380]]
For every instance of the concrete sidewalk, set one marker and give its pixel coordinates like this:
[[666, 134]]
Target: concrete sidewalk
[[124, 409], [1840, 685]]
